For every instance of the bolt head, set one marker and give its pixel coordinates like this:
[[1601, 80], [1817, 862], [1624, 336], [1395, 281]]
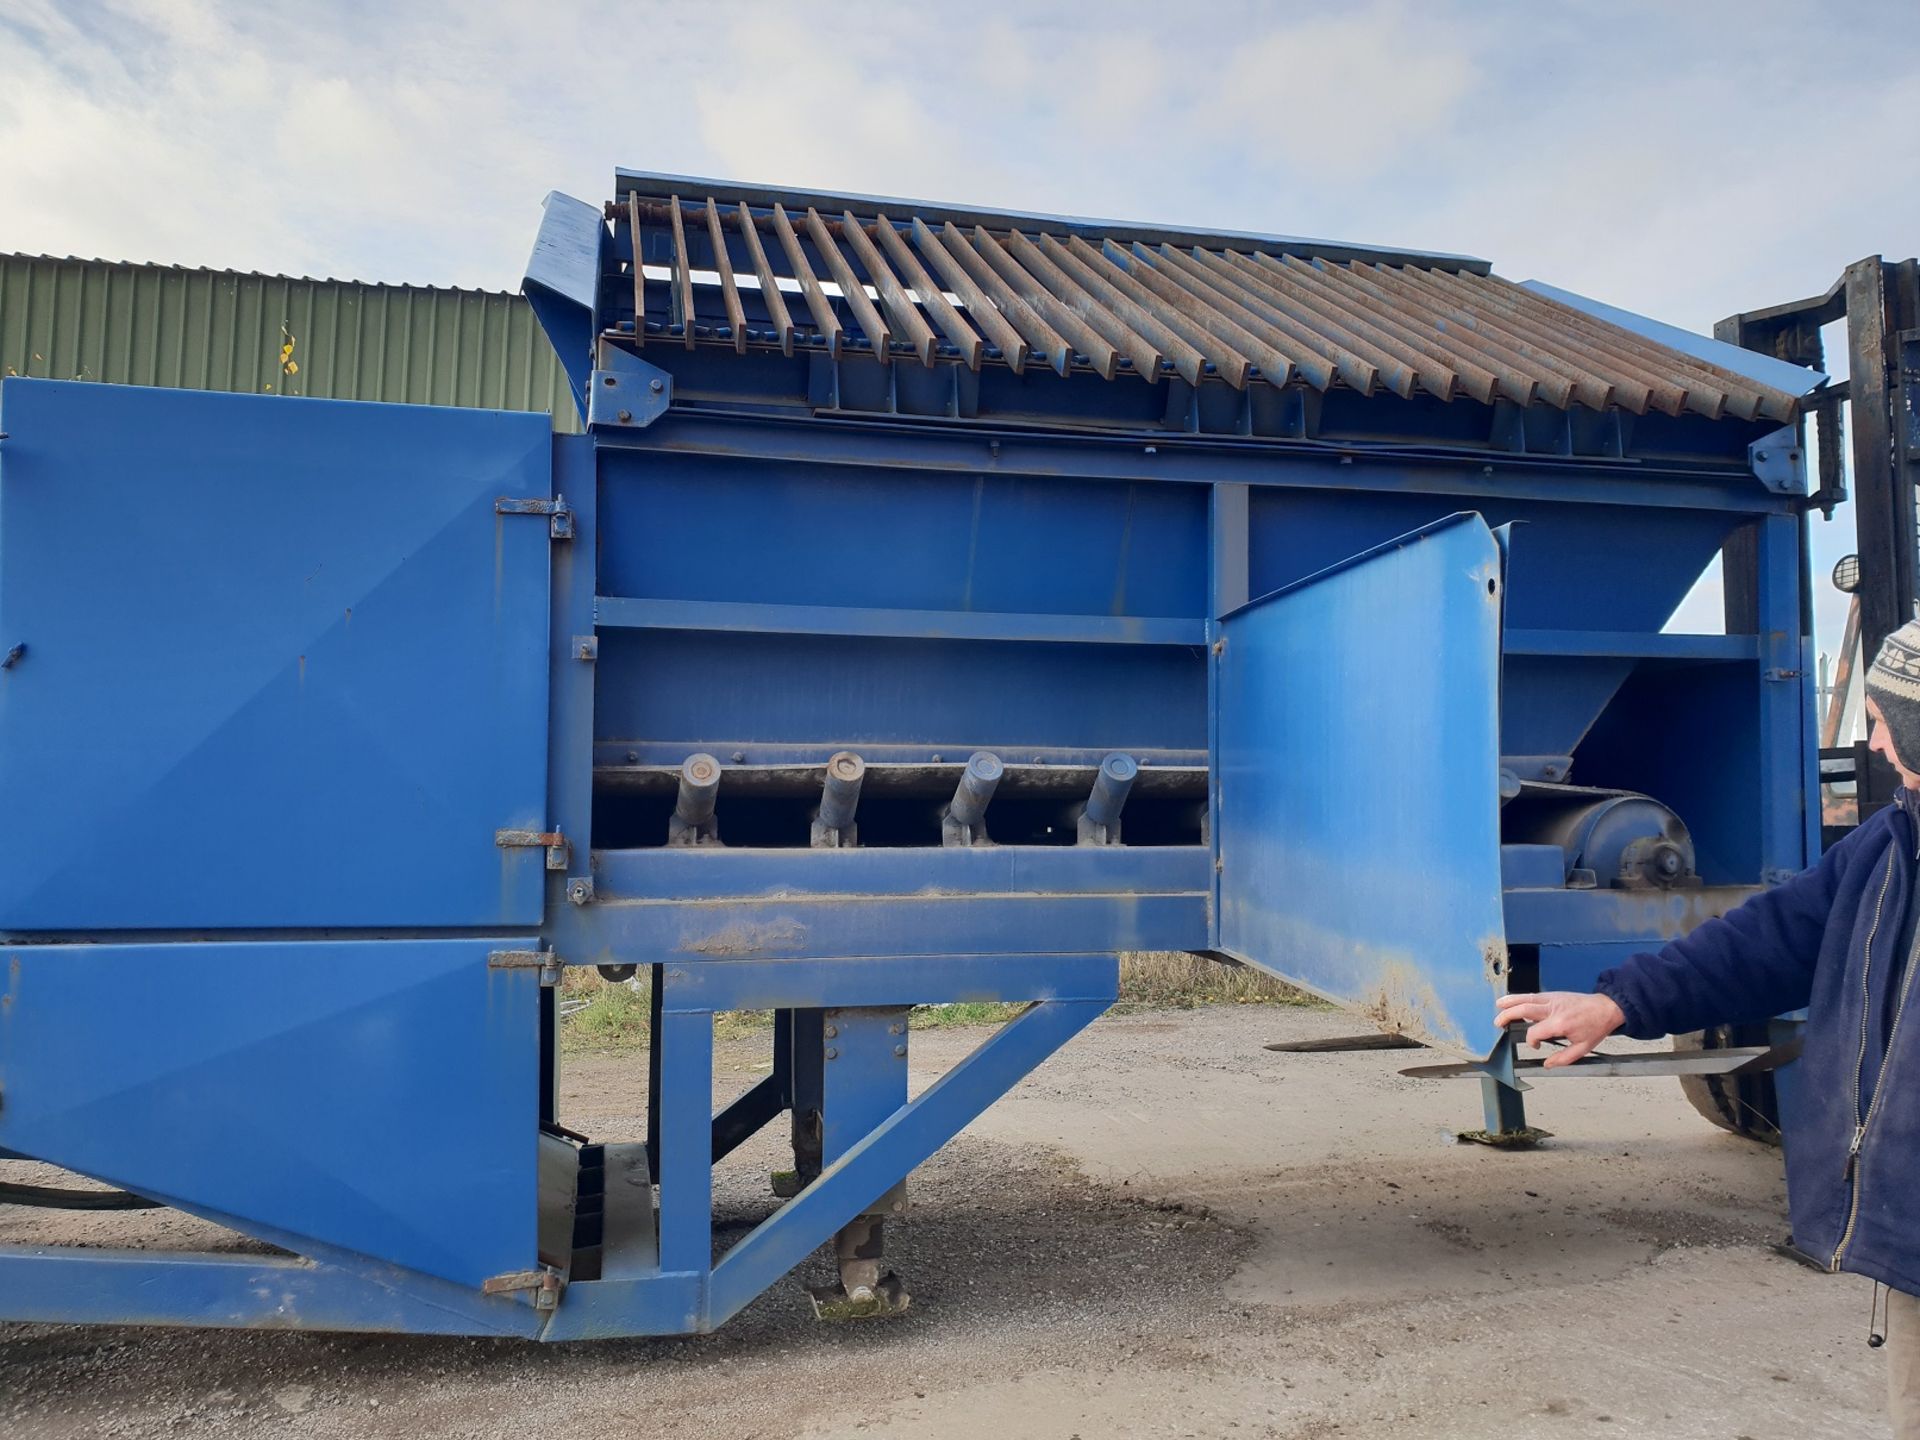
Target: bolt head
[[625, 416], [832, 1054], [832, 1030], [656, 386], [900, 1050]]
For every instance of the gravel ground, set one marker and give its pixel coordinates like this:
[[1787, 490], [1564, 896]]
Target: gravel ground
[[1167, 1231]]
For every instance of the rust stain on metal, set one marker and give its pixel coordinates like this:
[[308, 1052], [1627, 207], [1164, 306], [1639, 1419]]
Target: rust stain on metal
[[744, 937], [1670, 914], [1493, 957], [1401, 1001]]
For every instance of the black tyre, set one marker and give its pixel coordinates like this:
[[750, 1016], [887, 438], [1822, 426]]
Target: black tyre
[[1746, 1105]]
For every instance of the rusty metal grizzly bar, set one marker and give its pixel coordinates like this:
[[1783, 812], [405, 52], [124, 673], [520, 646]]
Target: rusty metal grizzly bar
[[1243, 312]]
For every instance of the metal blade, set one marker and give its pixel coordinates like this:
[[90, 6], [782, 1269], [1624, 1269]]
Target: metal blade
[[1699, 1062]]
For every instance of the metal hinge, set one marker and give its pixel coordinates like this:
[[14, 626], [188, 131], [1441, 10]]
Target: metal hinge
[[559, 517], [550, 965], [559, 853], [545, 1284]]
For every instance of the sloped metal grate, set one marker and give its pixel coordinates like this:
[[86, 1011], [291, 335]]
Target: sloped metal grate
[[928, 288]]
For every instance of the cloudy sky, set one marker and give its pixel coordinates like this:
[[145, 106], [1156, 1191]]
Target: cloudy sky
[[1684, 159]]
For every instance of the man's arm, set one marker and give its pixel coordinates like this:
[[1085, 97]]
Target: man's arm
[[1751, 964]]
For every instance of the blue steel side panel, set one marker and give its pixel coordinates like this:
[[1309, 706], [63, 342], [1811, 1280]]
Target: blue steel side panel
[[562, 283], [286, 665], [672, 873], [376, 1096], [1566, 571], [773, 532], [831, 927], [57, 1285], [1357, 789], [1565, 575], [702, 690]]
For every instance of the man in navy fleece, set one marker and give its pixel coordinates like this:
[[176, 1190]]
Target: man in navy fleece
[[1839, 939]]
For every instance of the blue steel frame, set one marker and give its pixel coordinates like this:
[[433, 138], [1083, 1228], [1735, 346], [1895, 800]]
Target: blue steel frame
[[805, 932]]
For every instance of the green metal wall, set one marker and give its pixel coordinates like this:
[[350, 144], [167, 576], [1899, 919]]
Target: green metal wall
[[227, 330]]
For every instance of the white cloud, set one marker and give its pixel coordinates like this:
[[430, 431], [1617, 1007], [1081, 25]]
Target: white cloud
[[1340, 98]]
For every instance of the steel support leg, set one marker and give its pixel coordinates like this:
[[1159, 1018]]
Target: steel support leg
[[846, 1188], [684, 1043], [1503, 1105], [804, 1057], [864, 1081], [655, 985]]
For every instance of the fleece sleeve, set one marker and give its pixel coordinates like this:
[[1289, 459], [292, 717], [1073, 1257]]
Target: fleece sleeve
[[1750, 964]]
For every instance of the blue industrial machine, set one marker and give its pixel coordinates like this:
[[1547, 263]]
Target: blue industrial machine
[[940, 604]]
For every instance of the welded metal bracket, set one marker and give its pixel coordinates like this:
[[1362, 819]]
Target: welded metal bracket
[[550, 965], [1779, 461], [628, 394], [559, 517], [559, 852], [545, 1284]]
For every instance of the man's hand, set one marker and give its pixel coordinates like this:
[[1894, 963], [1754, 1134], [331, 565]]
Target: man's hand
[[1583, 1021]]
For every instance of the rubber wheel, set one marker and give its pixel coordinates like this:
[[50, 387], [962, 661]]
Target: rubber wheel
[[1747, 1106]]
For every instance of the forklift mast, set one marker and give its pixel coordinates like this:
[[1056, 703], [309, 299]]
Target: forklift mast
[[1880, 301]]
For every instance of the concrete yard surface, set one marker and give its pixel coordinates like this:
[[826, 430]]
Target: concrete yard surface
[[1166, 1231]]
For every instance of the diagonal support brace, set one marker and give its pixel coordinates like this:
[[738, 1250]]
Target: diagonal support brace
[[891, 1150]]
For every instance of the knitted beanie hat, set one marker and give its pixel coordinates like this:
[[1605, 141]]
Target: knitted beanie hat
[[1894, 682]]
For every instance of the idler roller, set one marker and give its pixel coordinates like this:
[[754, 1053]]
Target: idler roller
[[965, 820], [693, 820], [833, 825]]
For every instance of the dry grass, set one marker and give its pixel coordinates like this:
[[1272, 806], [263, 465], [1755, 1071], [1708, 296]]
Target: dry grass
[[613, 1015], [1176, 980]]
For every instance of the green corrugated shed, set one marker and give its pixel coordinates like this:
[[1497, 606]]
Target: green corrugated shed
[[227, 330]]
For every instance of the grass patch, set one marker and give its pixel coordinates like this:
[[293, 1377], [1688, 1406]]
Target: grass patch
[[1176, 980], [962, 1012], [609, 1016]]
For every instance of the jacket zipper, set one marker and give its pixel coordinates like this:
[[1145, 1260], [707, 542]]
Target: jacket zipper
[[1860, 1064]]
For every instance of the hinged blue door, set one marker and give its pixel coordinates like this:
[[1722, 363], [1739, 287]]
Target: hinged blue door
[[1356, 766], [284, 664]]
